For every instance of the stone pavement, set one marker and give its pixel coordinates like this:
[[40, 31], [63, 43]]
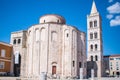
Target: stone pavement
[[18, 78]]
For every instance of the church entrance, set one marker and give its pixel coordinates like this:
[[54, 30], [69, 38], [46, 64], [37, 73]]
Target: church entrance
[[53, 70], [17, 64]]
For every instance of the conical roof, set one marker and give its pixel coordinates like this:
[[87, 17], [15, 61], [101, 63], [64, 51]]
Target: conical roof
[[93, 9]]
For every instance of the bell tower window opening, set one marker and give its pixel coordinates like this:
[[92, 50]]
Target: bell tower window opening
[[91, 47], [96, 46], [91, 58], [95, 35], [91, 24], [96, 58], [95, 23], [91, 35]]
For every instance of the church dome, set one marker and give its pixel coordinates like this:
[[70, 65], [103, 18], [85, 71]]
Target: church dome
[[52, 18]]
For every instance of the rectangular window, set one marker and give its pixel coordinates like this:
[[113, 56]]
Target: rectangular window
[[3, 53], [111, 58], [117, 58], [73, 63], [2, 65], [117, 68], [91, 58], [80, 65]]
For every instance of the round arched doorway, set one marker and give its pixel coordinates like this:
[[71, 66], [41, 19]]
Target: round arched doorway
[[17, 63]]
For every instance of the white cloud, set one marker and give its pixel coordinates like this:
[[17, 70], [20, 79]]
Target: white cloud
[[115, 8], [115, 22], [110, 1], [109, 16]]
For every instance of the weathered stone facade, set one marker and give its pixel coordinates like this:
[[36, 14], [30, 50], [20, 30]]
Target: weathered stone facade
[[52, 47]]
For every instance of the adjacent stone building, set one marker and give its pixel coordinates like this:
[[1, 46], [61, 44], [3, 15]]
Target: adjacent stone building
[[19, 40], [112, 65], [52, 47]]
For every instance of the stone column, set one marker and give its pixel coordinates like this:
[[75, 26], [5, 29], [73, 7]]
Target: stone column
[[81, 73], [12, 65], [23, 64], [92, 74]]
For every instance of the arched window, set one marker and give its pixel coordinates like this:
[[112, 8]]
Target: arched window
[[91, 58], [44, 21], [95, 35], [96, 58], [91, 24], [66, 34], [14, 41], [73, 63], [91, 35], [19, 41], [95, 23], [54, 36], [57, 21], [91, 47], [96, 46]]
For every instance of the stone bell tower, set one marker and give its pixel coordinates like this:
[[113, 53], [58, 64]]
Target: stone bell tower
[[94, 38]]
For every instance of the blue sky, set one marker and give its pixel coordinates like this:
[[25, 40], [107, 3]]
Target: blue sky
[[18, 15]]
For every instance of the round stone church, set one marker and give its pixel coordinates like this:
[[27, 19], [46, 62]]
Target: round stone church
[[51, 47]]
